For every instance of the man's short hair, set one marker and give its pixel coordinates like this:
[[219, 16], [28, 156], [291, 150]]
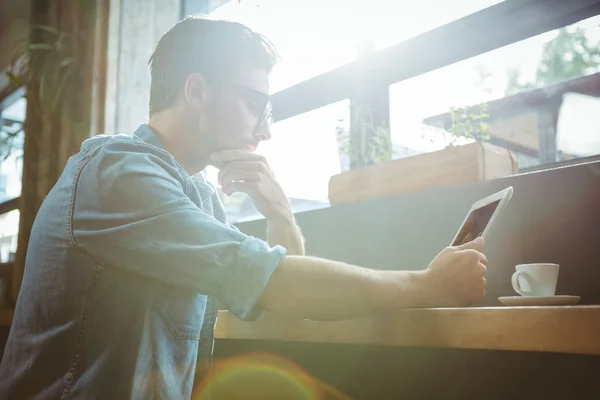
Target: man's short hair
[[217, 49]]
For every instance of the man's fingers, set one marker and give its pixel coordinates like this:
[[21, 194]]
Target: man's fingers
[[474, 255], [477, 255], [228, 176], [237, 186], [482, 268], [476, 244]]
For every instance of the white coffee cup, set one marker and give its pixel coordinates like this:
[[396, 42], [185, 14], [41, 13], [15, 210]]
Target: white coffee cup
[[535, 279]]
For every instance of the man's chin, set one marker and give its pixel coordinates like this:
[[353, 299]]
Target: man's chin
[[217, 164]]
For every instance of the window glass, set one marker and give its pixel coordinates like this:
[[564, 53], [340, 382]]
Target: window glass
[[9, 231], [514, 91], [11, 149]]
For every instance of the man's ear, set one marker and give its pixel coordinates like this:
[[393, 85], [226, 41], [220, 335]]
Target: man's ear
[[196, 91]]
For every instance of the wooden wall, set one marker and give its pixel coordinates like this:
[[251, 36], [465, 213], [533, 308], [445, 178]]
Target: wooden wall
[[53, 132]]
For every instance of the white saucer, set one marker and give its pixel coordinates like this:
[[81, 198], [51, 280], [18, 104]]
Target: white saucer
[[539, 300]]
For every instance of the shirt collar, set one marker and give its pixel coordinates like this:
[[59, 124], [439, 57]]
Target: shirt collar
[[145, 133]]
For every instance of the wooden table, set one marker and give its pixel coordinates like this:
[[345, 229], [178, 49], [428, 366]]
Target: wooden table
[[574, 329]]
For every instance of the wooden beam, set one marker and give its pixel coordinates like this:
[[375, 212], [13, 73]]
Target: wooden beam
[[53, 133], [9, 205], [500, 25]]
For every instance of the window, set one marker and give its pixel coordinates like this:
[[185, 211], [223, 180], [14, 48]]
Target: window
[[11, 168], [11, 149], [303, 154], [9, 232], [315, 36], [518, 87]]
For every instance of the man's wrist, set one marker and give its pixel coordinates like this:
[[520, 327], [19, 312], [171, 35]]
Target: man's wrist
[[283, 215], [282, 230], [406, 289]]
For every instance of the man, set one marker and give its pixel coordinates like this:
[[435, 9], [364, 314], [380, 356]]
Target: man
[[130, 250]]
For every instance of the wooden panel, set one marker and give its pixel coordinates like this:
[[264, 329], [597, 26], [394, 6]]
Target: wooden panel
[[6, 316], [497, 162], [9, 205], [53, 134], [366, 372], [520, 129], [551, 329], [453, 166]]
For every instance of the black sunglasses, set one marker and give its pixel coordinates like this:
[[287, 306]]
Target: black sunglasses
[[260, 103]]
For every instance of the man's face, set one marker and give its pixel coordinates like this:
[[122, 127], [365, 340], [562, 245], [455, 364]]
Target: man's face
[[238, 114]]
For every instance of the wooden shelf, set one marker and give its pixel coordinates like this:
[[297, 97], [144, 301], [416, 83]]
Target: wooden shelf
[[6, 316], [549, 329]]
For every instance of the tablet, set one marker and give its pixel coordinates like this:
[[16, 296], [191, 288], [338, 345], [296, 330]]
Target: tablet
[[482, 216]]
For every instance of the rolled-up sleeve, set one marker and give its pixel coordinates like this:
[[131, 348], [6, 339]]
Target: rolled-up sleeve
[[130, 211]]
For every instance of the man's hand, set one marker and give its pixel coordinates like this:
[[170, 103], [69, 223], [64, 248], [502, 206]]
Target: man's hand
[[242, 171], [455, 277]]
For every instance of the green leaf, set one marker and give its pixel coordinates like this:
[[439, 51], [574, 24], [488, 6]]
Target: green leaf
[[66, 62], [46, 28], [40, 46], [13, 79]]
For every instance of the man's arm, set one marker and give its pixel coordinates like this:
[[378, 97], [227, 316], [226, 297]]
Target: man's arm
[[130, 212], [283, 231], [321, 289]]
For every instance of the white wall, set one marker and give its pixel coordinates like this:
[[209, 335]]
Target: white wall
[[135, 26]]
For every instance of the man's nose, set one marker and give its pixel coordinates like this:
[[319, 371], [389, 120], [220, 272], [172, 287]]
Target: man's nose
[[263, 133]]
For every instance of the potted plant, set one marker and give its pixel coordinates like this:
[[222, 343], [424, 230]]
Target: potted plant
[[363, 142], [467, 157]]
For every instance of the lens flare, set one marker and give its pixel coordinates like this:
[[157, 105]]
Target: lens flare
[[262, 376]]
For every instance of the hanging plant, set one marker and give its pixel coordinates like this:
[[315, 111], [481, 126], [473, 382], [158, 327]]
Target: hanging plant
[[46, 64]]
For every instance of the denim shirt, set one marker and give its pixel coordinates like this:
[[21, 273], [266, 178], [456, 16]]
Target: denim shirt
[[126, 260]]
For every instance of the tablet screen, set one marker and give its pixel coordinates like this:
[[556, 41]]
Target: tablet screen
[[476, 223]]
